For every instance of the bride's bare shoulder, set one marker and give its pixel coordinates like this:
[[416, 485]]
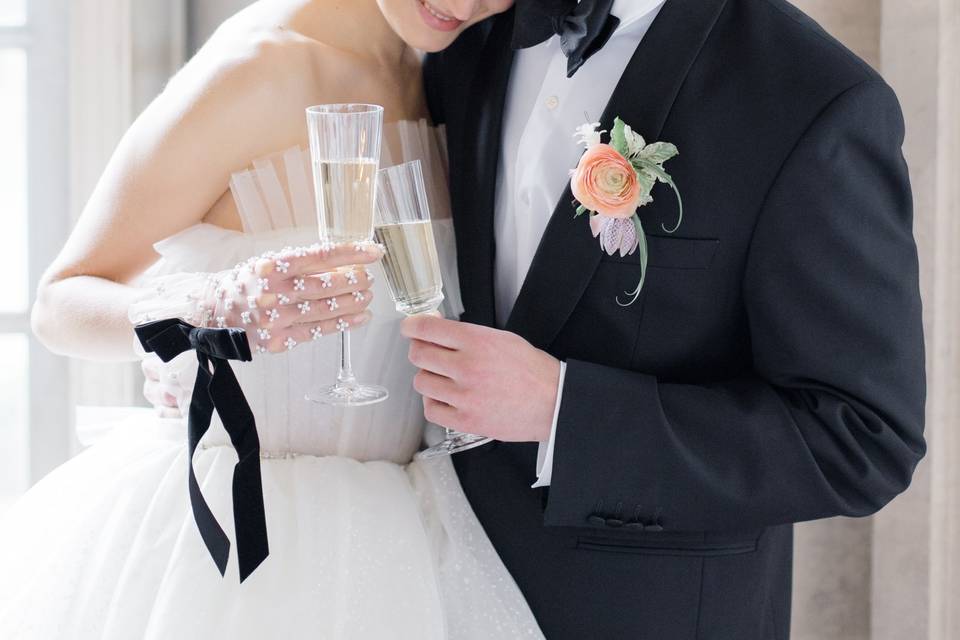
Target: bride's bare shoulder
[[271, 65]]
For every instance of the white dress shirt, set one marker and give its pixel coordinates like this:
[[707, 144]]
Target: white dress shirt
[[543, 108]]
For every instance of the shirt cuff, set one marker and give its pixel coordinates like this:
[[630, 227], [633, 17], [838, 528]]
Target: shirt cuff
[[545, 450]]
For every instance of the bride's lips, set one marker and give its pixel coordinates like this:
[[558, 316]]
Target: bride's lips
[[436, 19]]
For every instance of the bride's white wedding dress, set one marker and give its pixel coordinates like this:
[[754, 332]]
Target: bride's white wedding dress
[[363, 542]]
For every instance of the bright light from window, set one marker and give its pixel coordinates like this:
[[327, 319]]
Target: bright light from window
[[13, 12], [13, 176]]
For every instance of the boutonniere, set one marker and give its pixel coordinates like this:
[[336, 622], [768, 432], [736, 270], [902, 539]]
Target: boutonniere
[[612, 181]]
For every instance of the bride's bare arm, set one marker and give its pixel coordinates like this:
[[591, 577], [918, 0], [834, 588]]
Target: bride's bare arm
[[170, 169]]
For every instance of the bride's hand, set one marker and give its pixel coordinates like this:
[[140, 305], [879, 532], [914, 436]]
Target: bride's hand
[[165, 386], [292, 296]]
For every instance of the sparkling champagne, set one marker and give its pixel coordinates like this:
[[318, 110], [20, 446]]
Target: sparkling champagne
[[411, 265], [345, 194]]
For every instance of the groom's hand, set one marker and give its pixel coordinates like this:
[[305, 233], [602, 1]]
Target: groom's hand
[[484, 381]]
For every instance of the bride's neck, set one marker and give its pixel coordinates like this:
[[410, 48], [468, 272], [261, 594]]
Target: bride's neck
[[357, 26]]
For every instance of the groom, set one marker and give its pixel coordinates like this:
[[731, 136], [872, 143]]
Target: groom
[[772, 369]]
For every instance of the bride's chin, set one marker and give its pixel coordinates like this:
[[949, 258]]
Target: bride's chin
[[427, 40], [419, 27]]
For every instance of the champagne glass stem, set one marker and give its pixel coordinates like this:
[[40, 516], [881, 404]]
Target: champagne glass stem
[[345, 377]]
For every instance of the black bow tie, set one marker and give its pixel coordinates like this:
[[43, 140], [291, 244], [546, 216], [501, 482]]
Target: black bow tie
[[583, 26]]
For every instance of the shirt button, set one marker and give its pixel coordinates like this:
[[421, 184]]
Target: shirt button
[[552, 102]]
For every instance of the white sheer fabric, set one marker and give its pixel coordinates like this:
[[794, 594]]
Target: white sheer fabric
[[363, 542]]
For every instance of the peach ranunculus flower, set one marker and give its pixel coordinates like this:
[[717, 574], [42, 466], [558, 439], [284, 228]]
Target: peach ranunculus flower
[[605, 182]]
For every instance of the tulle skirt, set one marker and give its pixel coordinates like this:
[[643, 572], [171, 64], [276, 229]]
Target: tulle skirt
[[106, 547]]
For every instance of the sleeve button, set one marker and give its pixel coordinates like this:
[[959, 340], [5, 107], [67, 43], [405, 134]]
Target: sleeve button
[[597, 520], [614, 522]]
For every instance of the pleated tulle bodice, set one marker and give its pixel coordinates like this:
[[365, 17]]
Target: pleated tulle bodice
[[275, 200]]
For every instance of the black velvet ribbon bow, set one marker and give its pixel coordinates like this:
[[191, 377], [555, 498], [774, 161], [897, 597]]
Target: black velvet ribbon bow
[[217, 388], [584, 27]]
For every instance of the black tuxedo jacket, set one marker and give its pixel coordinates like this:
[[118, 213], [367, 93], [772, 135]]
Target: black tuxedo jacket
[[772, 370]]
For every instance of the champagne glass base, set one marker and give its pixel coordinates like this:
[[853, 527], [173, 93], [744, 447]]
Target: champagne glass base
[[454, 443], [348, 395]]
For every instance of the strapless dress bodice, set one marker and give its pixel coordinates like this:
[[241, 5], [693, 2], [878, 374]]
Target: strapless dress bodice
[[275, 200]]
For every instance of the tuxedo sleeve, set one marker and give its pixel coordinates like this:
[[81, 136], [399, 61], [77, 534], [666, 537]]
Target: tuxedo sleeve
[[828, 418]]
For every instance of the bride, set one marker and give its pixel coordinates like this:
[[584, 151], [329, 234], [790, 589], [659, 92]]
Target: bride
[[193, 216]]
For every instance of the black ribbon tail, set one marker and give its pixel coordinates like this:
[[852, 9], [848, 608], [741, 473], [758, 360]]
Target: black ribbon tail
[[249, 515], [201, 412]]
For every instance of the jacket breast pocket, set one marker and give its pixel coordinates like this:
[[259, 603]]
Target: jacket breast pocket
[[673, 252], [616, 275]]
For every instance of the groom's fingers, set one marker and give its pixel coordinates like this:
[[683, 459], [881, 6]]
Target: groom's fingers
[[430, 328], [430, 357], [436, 387], [440, 413]]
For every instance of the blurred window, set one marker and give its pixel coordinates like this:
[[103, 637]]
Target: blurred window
[[14, 351], [33, 427], [13, 12]]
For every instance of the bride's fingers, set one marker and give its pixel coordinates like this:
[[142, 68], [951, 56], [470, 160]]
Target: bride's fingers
[[317, 259], [315, 287], [325, 285], [287, 312], [158, 394], [265, 340], [331, 308], [276, 324], [149, 369]]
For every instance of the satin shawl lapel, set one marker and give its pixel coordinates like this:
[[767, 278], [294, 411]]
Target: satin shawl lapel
[[473, 208], [568, 254]]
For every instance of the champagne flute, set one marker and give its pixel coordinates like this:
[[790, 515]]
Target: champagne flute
[[411, 264], [345, 156]]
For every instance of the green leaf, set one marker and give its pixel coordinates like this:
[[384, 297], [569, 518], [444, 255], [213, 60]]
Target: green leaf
[[665, 177], [580, 211], [643, 254], [653, 168], [647, 181], [618, 139], [659, 152], [680, 204]]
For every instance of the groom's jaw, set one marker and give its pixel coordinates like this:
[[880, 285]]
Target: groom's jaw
[[436, 19]]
